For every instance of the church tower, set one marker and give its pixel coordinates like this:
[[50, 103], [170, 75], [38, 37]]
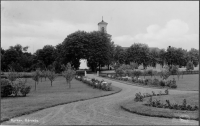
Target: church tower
[[102, 26]]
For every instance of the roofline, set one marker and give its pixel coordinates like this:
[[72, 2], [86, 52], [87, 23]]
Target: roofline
[[102, 23]]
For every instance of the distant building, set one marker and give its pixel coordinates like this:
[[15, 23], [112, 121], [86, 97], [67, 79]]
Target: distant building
[[102, 26]]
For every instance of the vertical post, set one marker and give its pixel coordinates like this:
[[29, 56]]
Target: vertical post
[[85, 73], [97, 73]]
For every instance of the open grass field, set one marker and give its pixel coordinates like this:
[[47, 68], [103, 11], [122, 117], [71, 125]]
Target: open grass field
[[46, 96], [140, 108]]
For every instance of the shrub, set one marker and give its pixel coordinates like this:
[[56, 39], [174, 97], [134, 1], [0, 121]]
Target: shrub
[[138, 97], [103, 75], [166, 91], [25, 90], [148, 82], [137, 73], [184, 106], [168, 83], [162, 83], [155, 82], [16, 88], [173, 84], [6, 88], [153, 93], [18, 85]]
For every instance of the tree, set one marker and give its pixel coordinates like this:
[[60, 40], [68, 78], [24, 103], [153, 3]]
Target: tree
[[100, 52], [138, 53], [75, 47], [46, 55], [119, 55], [194, 56], [51, 75], [69, 74], [154, 56], [170, 56], [174, 70], [190, 66], [35, 77], [17, 57], [161, 56]]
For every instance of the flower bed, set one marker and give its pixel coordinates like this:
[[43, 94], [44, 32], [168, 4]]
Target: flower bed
[[150, 82], [154, 108], [102, 85], [139, 97], [156, 103]]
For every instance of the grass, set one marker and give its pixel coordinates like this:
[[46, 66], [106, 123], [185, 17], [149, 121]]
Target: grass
[[46, 96], [188, 82], [140, 108]]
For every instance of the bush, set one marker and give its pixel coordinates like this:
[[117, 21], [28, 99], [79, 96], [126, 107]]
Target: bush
[[168, 83], [25, 90], [16, 88], [173, 84], [18, 85], [103, 75], [162, 83], [175, 106], [166, 91], [148, 82], [155, 82], [6, 88], [138, 97]]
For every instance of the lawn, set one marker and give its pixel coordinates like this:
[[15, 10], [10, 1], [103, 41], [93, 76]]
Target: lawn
[[140, 108], [46, 96], [188, 82]]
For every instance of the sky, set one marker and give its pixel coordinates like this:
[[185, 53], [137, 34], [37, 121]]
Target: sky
[[155, 23]]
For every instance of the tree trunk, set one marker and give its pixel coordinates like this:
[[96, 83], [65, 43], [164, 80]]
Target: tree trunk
[[35, 85], [51, 83], [99, 67], [108, 67]]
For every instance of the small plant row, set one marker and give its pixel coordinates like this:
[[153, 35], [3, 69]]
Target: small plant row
[[156, 82], [156, 103], [102, 85], [139, 97], [151, 82], [9, 88]]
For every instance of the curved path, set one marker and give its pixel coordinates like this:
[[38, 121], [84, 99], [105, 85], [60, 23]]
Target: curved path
[[99, 111]]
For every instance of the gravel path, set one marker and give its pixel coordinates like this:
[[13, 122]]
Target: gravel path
[[99, 111]]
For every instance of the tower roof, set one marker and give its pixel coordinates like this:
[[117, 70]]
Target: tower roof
[[102, 22]]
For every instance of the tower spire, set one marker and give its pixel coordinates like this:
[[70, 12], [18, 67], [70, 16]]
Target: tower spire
[[102, 18]]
